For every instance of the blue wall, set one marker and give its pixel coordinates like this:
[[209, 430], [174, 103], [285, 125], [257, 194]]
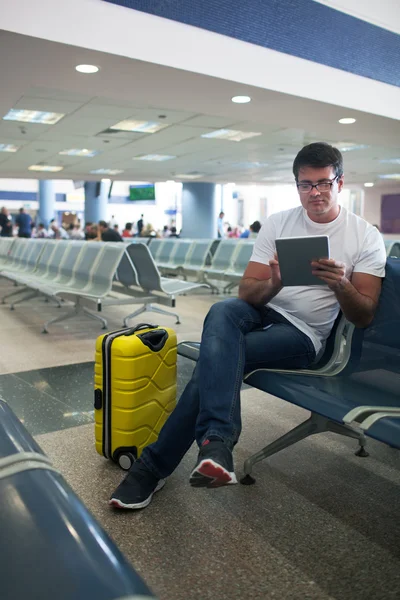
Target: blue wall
[[301, 28]]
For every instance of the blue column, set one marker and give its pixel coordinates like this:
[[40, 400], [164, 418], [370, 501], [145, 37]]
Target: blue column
[[201, 204], [47, 200], [96, 200]]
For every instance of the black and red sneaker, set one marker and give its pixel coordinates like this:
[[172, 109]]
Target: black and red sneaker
[[214, 466]]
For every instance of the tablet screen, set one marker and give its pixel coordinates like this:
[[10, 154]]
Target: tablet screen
[[295, 255]]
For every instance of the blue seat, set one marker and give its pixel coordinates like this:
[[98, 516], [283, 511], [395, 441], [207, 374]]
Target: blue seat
[[50, 545], [366, 373]]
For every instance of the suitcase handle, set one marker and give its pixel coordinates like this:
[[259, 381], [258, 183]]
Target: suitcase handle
[[155, 340], [139, 327]]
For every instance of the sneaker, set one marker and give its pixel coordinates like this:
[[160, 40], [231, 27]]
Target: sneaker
[[137, 488], [214, 466]]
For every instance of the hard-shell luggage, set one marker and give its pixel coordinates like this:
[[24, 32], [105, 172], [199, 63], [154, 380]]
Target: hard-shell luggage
[[135, 389]]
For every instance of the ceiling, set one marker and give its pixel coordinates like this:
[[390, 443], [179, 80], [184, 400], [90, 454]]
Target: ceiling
[[40, 75]]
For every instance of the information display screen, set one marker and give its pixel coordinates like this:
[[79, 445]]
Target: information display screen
[[142, 192]]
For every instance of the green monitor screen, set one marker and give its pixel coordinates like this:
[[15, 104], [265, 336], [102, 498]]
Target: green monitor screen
[[142, 192]]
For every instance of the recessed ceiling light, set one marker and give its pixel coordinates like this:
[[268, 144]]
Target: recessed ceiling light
[[80, 152], [347, 121], [230, 134], [272, 178], [138, 126], [241, 99], [368, 184], [87, 69], [395, 176], [51, 168], [154, 157], [33, 116], [9, 148], [106, 172], [189, 175]]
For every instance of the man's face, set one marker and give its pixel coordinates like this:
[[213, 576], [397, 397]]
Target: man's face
[[319, 203]]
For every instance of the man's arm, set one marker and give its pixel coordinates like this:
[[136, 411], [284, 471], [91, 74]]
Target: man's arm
[[260, 283], [358, 298]]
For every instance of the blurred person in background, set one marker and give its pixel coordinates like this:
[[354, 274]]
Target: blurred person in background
[[127, 232], [24, 224], [140, 225], [5, 223], [41, 231], [254, 229], [220, 225], [107, 234]]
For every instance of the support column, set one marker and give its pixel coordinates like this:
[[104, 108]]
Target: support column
[[96, 200], [47, 200], [201, 204]]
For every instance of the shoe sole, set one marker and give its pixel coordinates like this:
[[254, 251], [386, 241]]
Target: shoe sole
[[114, 502], [212, 475]]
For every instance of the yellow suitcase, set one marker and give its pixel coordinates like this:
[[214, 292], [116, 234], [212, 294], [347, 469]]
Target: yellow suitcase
[[135, 389]]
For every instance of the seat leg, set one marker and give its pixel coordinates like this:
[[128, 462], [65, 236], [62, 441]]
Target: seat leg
[[11, 294], [32, 294], [95, 317], [348, 431], [315, 424], [150, 308]]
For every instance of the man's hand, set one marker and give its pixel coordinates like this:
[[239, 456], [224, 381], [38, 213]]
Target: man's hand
[[276, 281], [332, 271]]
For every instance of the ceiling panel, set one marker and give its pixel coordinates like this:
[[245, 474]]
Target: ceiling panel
[[47, 105], [21, 131]]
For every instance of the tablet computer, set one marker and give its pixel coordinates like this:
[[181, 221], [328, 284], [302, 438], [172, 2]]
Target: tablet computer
[[295, 255]]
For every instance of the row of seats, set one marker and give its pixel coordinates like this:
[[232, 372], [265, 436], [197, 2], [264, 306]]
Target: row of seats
[[87, 271], [352, 391], [206, 260], [50, 545]]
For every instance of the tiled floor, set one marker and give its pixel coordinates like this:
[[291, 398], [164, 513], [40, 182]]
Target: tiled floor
[[320, 523]]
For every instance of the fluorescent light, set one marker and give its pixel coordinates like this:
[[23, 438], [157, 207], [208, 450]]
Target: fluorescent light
[[80, 152], [189, 175], [106, 172], [392, 161], [348, 147], [107, 181], [395, 176], [347, 121], [230, 134], [9, 148], [51, 168], [154, 157], [241, 99], [368, 184], [33, 116], [139, 126], [272, 178], [87, 69]]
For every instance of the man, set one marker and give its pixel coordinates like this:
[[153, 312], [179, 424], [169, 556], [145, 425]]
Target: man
[[5, 223], [140, 225], [24, 224], [268, 326], [58, 233], [220, 225], [108, 234]]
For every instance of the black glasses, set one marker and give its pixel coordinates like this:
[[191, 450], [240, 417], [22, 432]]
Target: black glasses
[[324, 186]]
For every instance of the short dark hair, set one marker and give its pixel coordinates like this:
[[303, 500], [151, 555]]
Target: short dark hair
[[103, 224], [318, 155], [256, 226]]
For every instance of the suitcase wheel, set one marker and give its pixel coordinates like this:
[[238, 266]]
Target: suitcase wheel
[[126, 460]]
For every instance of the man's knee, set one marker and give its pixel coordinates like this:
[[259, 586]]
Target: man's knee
[[230, 308]]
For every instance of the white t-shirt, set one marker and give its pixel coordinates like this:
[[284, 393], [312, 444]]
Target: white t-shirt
[[313, 309]]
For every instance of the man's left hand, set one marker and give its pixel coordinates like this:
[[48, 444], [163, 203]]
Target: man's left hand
[[332, 271]]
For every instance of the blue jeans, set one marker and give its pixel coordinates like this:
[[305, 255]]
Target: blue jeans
[[237, 338]]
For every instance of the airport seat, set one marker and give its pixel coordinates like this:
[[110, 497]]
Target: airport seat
[[359, 368], [155, 245], [200, 255], [166, 251], [178, 257], [5, 248], [50, 544], [153, 285], [392, 248], [240, 260]]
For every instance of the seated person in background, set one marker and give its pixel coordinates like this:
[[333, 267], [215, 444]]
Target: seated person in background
[[174, 233], [254, 229], [6, 225], [107, 234], [75, 232], [127, 232], [116, 228], [41, 231], [268, 326], [58, 233], [165, 232]]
